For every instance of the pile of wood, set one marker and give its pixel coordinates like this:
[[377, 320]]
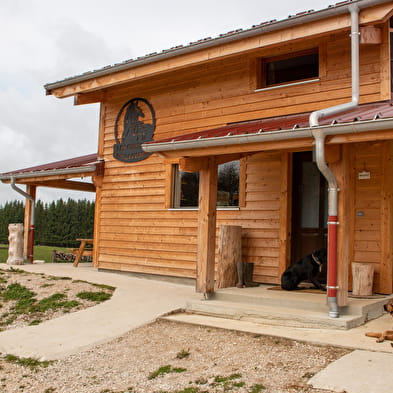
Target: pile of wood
[[59, 256]]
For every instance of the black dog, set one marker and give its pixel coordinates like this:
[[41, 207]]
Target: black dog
[[304, 269]]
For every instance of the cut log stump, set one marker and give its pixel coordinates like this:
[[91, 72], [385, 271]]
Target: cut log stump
[[363, 277], [229, 253]]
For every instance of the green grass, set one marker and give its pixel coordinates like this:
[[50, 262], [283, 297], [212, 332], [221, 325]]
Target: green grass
[[43, 253], [27, 362], [26, 303], [94, 296], [165, 370], [54, 302]]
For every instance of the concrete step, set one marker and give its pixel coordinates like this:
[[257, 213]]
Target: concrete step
[[297, 309], [269, 315]]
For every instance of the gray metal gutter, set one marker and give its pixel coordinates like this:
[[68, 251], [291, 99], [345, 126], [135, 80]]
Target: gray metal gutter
[[292, 21], [299, 133], [52, 172]]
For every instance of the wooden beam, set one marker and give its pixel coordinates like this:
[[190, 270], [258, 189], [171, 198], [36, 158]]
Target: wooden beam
[[68, 185], [99, 184], [191, 164], [31, 190], [285, 211], [194, 164], [206, 227], [386, 272], [370, 35], [89, 98]]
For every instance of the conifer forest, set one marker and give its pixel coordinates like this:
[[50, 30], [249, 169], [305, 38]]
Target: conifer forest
[[58, 223]]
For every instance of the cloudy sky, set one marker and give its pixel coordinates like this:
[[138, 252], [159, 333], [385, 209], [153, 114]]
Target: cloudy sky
[[44, 41]]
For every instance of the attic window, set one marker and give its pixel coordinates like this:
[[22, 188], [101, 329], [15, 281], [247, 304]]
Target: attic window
[[301, 66]]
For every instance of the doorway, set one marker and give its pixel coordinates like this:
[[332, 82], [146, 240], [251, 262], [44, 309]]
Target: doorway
[[309, 207]]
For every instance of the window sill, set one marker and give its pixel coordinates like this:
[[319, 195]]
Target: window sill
[[220, 208], [287, 85]]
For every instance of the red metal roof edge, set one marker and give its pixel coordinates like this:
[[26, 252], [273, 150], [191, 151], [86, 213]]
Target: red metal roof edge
[[75, 162], [364, 112]]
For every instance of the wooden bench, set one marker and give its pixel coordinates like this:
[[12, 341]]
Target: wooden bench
[[82, 250]]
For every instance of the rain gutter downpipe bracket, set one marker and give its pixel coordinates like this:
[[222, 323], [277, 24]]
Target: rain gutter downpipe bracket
[[32, 226], [333, 189]]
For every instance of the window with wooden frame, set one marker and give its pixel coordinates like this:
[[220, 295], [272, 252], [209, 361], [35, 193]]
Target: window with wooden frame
[[287, 69], [185, 186]]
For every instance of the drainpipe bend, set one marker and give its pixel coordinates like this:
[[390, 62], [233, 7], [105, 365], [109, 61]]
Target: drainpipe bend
[[32, 218], [319, 137], [355, 34], [332, 223]]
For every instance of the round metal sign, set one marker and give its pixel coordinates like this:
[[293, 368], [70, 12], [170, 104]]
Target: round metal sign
[[135, 124]]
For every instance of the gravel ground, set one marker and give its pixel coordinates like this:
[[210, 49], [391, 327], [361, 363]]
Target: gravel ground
[[191, 359], [161, 357]]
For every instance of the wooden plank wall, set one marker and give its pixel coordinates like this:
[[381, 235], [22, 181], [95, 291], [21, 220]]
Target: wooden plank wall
[[136, 233], [372, 211]]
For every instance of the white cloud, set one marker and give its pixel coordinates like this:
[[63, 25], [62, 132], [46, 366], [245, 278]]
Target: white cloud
[[44, 41]]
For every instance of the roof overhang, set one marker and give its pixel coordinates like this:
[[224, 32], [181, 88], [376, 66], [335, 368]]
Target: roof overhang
[[57, 174], [336, 18], [368, 122]]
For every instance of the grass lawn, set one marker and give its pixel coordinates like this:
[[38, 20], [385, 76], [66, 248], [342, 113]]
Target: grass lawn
[[43, 253]]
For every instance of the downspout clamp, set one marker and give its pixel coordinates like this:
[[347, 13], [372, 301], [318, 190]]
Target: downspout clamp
[[32, 227], [333, 189]]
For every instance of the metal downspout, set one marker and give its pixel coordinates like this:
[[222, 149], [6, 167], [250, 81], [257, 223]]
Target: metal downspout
[[333, 189], [32, 227]]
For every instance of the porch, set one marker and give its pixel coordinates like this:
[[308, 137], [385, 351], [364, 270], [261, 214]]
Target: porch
[[268, 305]]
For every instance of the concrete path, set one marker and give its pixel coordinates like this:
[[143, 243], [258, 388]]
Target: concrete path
[[357, 372], [135, 302]]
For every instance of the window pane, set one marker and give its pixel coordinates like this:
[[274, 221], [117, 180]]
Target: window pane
[[186, 186], [292, 69], [228, 184], [310, 196], [189, 187]]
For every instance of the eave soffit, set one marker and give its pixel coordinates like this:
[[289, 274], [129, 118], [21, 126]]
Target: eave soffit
[[91, 90]]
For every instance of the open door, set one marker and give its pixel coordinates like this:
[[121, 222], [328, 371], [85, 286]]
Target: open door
[[309, 207]]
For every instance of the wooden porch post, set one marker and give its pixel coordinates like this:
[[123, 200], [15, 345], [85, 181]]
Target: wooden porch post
[[31, 190], [206, 226]]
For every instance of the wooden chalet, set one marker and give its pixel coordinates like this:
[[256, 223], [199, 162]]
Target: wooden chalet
[[218, 133]]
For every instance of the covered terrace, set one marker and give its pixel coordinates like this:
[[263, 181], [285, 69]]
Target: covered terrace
[[59, 174]]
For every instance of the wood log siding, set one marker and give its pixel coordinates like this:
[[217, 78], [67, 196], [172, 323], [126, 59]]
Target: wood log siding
[[370, 198], [135, 230]]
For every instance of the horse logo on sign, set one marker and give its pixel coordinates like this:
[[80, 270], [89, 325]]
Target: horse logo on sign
[[133, 130]]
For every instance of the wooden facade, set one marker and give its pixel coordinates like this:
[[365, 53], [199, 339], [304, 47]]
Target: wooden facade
[[136, 229]]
